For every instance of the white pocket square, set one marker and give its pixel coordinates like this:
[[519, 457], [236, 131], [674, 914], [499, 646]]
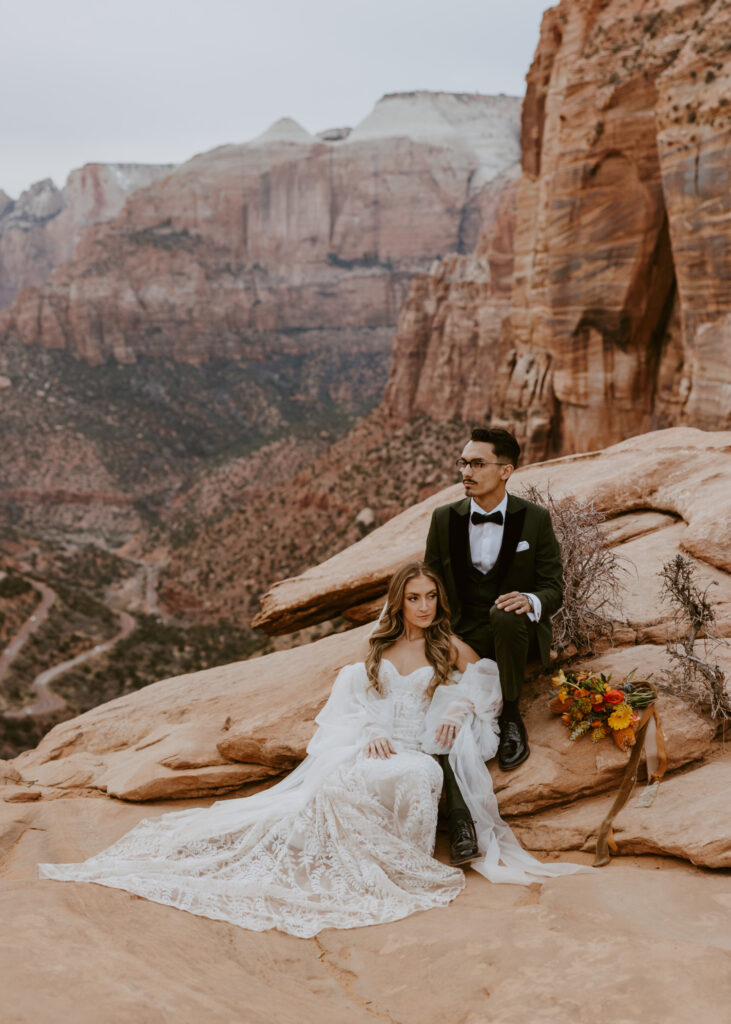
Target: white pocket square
[[523, 546]]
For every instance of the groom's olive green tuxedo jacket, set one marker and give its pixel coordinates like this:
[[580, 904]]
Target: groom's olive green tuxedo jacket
[[529, 559]]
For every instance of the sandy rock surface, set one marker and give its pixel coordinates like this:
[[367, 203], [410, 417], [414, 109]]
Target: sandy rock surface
[[680, 471], [209, 732], [686, 817], [503, 954], [498, 953]]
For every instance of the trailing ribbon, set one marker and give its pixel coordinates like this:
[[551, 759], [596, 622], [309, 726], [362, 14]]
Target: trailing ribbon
[[649, 735]]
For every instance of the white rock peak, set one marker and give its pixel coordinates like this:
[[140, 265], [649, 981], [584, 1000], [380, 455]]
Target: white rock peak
[[489, 126], [286, 129]]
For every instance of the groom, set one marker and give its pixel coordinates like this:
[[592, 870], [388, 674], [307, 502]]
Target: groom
[[501, 566]]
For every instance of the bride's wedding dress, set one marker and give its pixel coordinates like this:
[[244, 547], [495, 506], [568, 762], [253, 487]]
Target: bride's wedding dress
[[346, 839]]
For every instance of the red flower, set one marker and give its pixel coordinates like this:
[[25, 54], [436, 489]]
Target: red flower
[[614, 697]]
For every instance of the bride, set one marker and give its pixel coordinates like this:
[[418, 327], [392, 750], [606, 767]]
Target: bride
[[347, 839]]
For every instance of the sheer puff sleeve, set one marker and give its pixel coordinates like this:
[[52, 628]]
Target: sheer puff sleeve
[[475, 700], [354, 714]]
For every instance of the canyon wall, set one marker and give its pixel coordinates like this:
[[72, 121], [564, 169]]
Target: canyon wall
[[41, 228], [620, 313], [248, 246], [449, 329]]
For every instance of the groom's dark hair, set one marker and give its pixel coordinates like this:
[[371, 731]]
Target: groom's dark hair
[[502, 441]]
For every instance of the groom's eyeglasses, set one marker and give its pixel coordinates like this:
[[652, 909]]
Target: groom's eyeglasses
[[463, 464]]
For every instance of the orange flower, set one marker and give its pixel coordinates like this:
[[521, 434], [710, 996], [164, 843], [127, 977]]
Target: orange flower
[[624, 738], [597, 725], [581, 692], [566, 718], [614, 697], [596, 699]]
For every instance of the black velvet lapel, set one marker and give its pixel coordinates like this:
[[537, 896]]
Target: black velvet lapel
[[514, 520], [459, 541]]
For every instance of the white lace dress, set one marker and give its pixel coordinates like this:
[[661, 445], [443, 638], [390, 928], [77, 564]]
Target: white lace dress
[[345, 840]]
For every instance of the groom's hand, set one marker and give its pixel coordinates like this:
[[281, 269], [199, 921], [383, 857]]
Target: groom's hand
[[514, 602], [446, 734], [380, 748]]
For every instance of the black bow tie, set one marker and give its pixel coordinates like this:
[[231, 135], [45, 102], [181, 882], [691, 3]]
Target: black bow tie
[[491, 517]]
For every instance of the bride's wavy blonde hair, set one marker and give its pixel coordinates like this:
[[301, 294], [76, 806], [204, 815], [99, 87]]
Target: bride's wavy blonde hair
[[437, 636]]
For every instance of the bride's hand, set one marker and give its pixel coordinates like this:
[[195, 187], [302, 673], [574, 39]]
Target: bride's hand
[[380, 748], [446, 734]]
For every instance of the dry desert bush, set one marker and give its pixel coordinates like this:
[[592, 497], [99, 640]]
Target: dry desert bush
[[591, 572], [695, 674]]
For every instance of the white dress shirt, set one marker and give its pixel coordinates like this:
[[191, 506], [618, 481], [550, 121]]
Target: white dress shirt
[[485, 542]]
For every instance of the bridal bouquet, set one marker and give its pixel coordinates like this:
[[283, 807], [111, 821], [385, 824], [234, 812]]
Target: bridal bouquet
[[588, 703]]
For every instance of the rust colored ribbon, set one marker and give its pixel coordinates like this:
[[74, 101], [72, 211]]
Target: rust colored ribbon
[[605, 837]]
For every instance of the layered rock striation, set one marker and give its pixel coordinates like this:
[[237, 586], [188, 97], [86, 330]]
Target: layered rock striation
[[620, 309], [447, 341], [243, 249], [42, 227]]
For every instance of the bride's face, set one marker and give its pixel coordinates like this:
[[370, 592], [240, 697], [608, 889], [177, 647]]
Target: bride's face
[[420, 602]]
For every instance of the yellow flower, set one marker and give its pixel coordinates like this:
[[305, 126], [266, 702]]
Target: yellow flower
[[621, 717], [563, 694], [560, 679]]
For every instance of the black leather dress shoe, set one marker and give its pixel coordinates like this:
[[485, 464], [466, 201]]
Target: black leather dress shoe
[[513, 748], [462, 842]]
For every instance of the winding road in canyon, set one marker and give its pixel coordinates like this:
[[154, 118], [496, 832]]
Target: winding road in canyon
[[31, 624], [46, 700]]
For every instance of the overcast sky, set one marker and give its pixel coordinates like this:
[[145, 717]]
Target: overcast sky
[[156, 81]]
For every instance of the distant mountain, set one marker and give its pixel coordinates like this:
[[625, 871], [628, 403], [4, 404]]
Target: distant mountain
[[239, 248], [41, 228], [247, 295]]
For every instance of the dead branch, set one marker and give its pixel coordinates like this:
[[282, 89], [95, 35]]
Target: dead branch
[[591, 572], [697, 678]]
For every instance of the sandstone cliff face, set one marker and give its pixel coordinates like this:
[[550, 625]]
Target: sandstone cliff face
[[621, 296], [448, 335], [281, 235], [41, 228]]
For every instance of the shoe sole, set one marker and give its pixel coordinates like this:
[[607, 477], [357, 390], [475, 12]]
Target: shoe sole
[[517, 763]]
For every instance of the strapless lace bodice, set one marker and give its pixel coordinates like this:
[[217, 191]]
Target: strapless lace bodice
[[410, 703]]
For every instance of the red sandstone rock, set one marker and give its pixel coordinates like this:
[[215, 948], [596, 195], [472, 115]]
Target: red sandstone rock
[[620, 317], [622, 291], [688, 818], [506, 953], [287, 232], [206, 733], [42, 228], [449, 330], [680, 470]]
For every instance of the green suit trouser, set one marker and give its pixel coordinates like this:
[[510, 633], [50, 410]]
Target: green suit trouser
[[507, 638]]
